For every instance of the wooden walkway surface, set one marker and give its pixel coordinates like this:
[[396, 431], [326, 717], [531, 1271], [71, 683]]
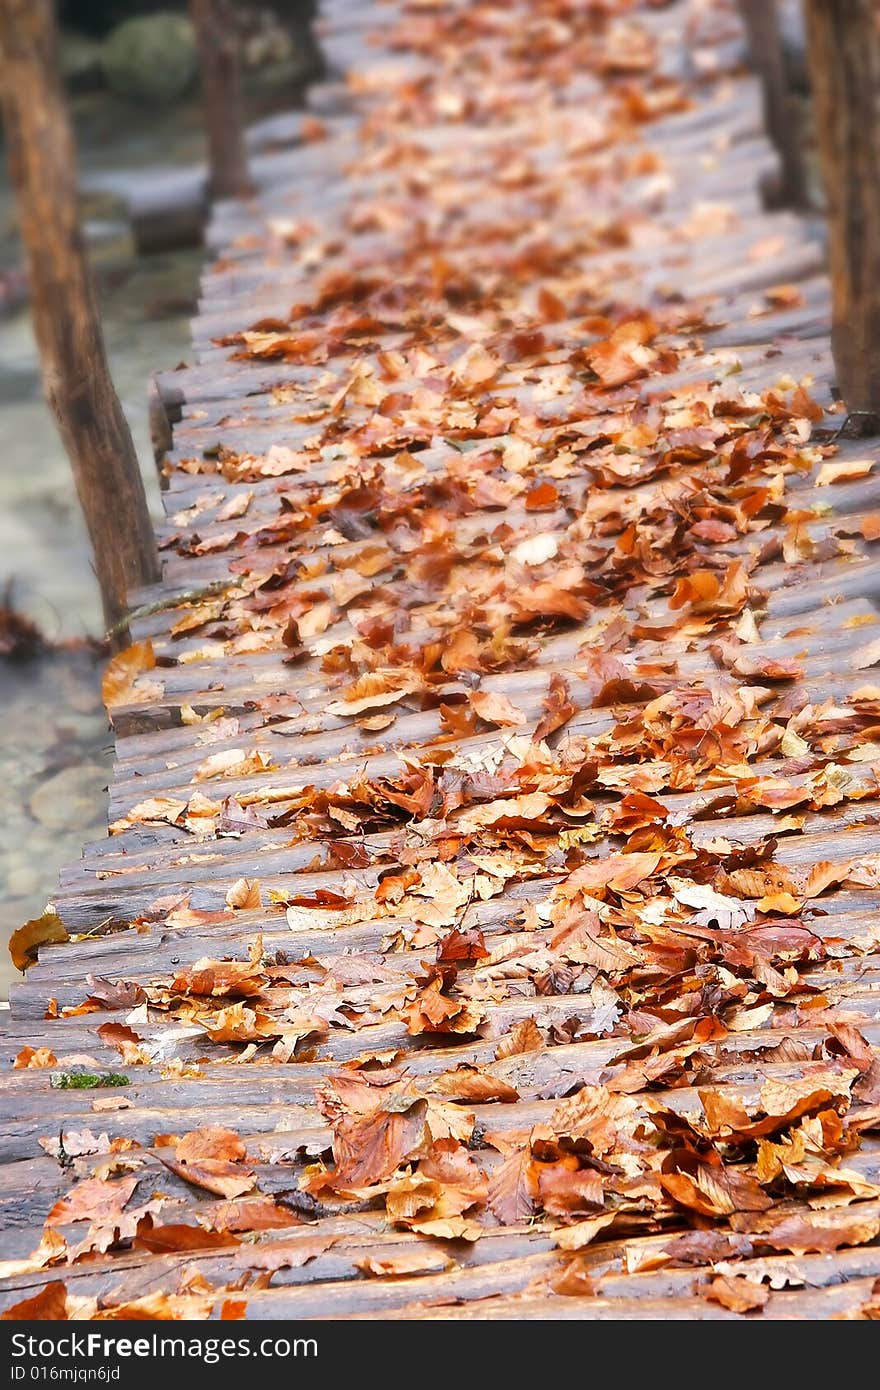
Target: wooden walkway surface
[[488, 923]]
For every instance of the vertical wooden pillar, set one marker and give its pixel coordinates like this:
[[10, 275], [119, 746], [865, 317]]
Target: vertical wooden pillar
[[76, 377], [780, 110], [844, 57], [221, 96]]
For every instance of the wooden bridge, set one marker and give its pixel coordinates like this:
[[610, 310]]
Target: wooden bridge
[[487, 927]]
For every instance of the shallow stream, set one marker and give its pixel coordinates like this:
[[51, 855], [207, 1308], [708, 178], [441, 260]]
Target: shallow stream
[[56, 748]]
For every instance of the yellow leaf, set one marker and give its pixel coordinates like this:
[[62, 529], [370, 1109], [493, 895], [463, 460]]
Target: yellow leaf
[[39, 931]]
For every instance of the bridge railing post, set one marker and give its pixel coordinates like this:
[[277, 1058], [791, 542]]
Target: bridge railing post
[[67, 322], [844, 60], [764, 37], [220, 77]]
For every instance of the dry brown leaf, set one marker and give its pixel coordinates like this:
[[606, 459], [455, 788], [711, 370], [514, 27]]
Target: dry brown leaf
[[509, 1196], [574, 1280], [49, 1305], [432, 1011], [817, 1231], [624, 355], [249, 1214], [26, 941], [496, 709], [371, 1148], [423, 1260], [114, 994], [558, 707], [524, 1036], [174, 1237], [736, 1293], [120, 678], [844, 471], [583, 1232], [220, 978], [715, 1191], [159, 1307], [214, 1175], [35, 1058], [124, 1040], [620, 872], [99, 1200], [374, 690], [245, 894], [238, 1023], [467, 1083], [212, 1158], [287, 1254], [435, 1200], [211, 1142], [511, 812]]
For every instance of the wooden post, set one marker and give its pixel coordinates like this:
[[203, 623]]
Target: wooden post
[[221, 95], [844, 57], [76, 377], [780, 109]]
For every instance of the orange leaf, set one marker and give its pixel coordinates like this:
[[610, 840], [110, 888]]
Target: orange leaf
[[496, 709], [49, 1305], [374, 690], [432, 1011], [524, 1036], [93, 1199], [738, 1294], [34, 1058], [558, 707], [119, 684], [623, 355], [40, 931]]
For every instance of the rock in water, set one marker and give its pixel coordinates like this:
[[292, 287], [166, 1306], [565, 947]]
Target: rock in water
[[151, 57], [80, 61]]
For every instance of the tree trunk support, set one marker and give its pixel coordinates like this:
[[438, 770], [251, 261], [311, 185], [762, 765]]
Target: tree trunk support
[[67, 322], [221, 96], [780, 105], [844, 57]]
